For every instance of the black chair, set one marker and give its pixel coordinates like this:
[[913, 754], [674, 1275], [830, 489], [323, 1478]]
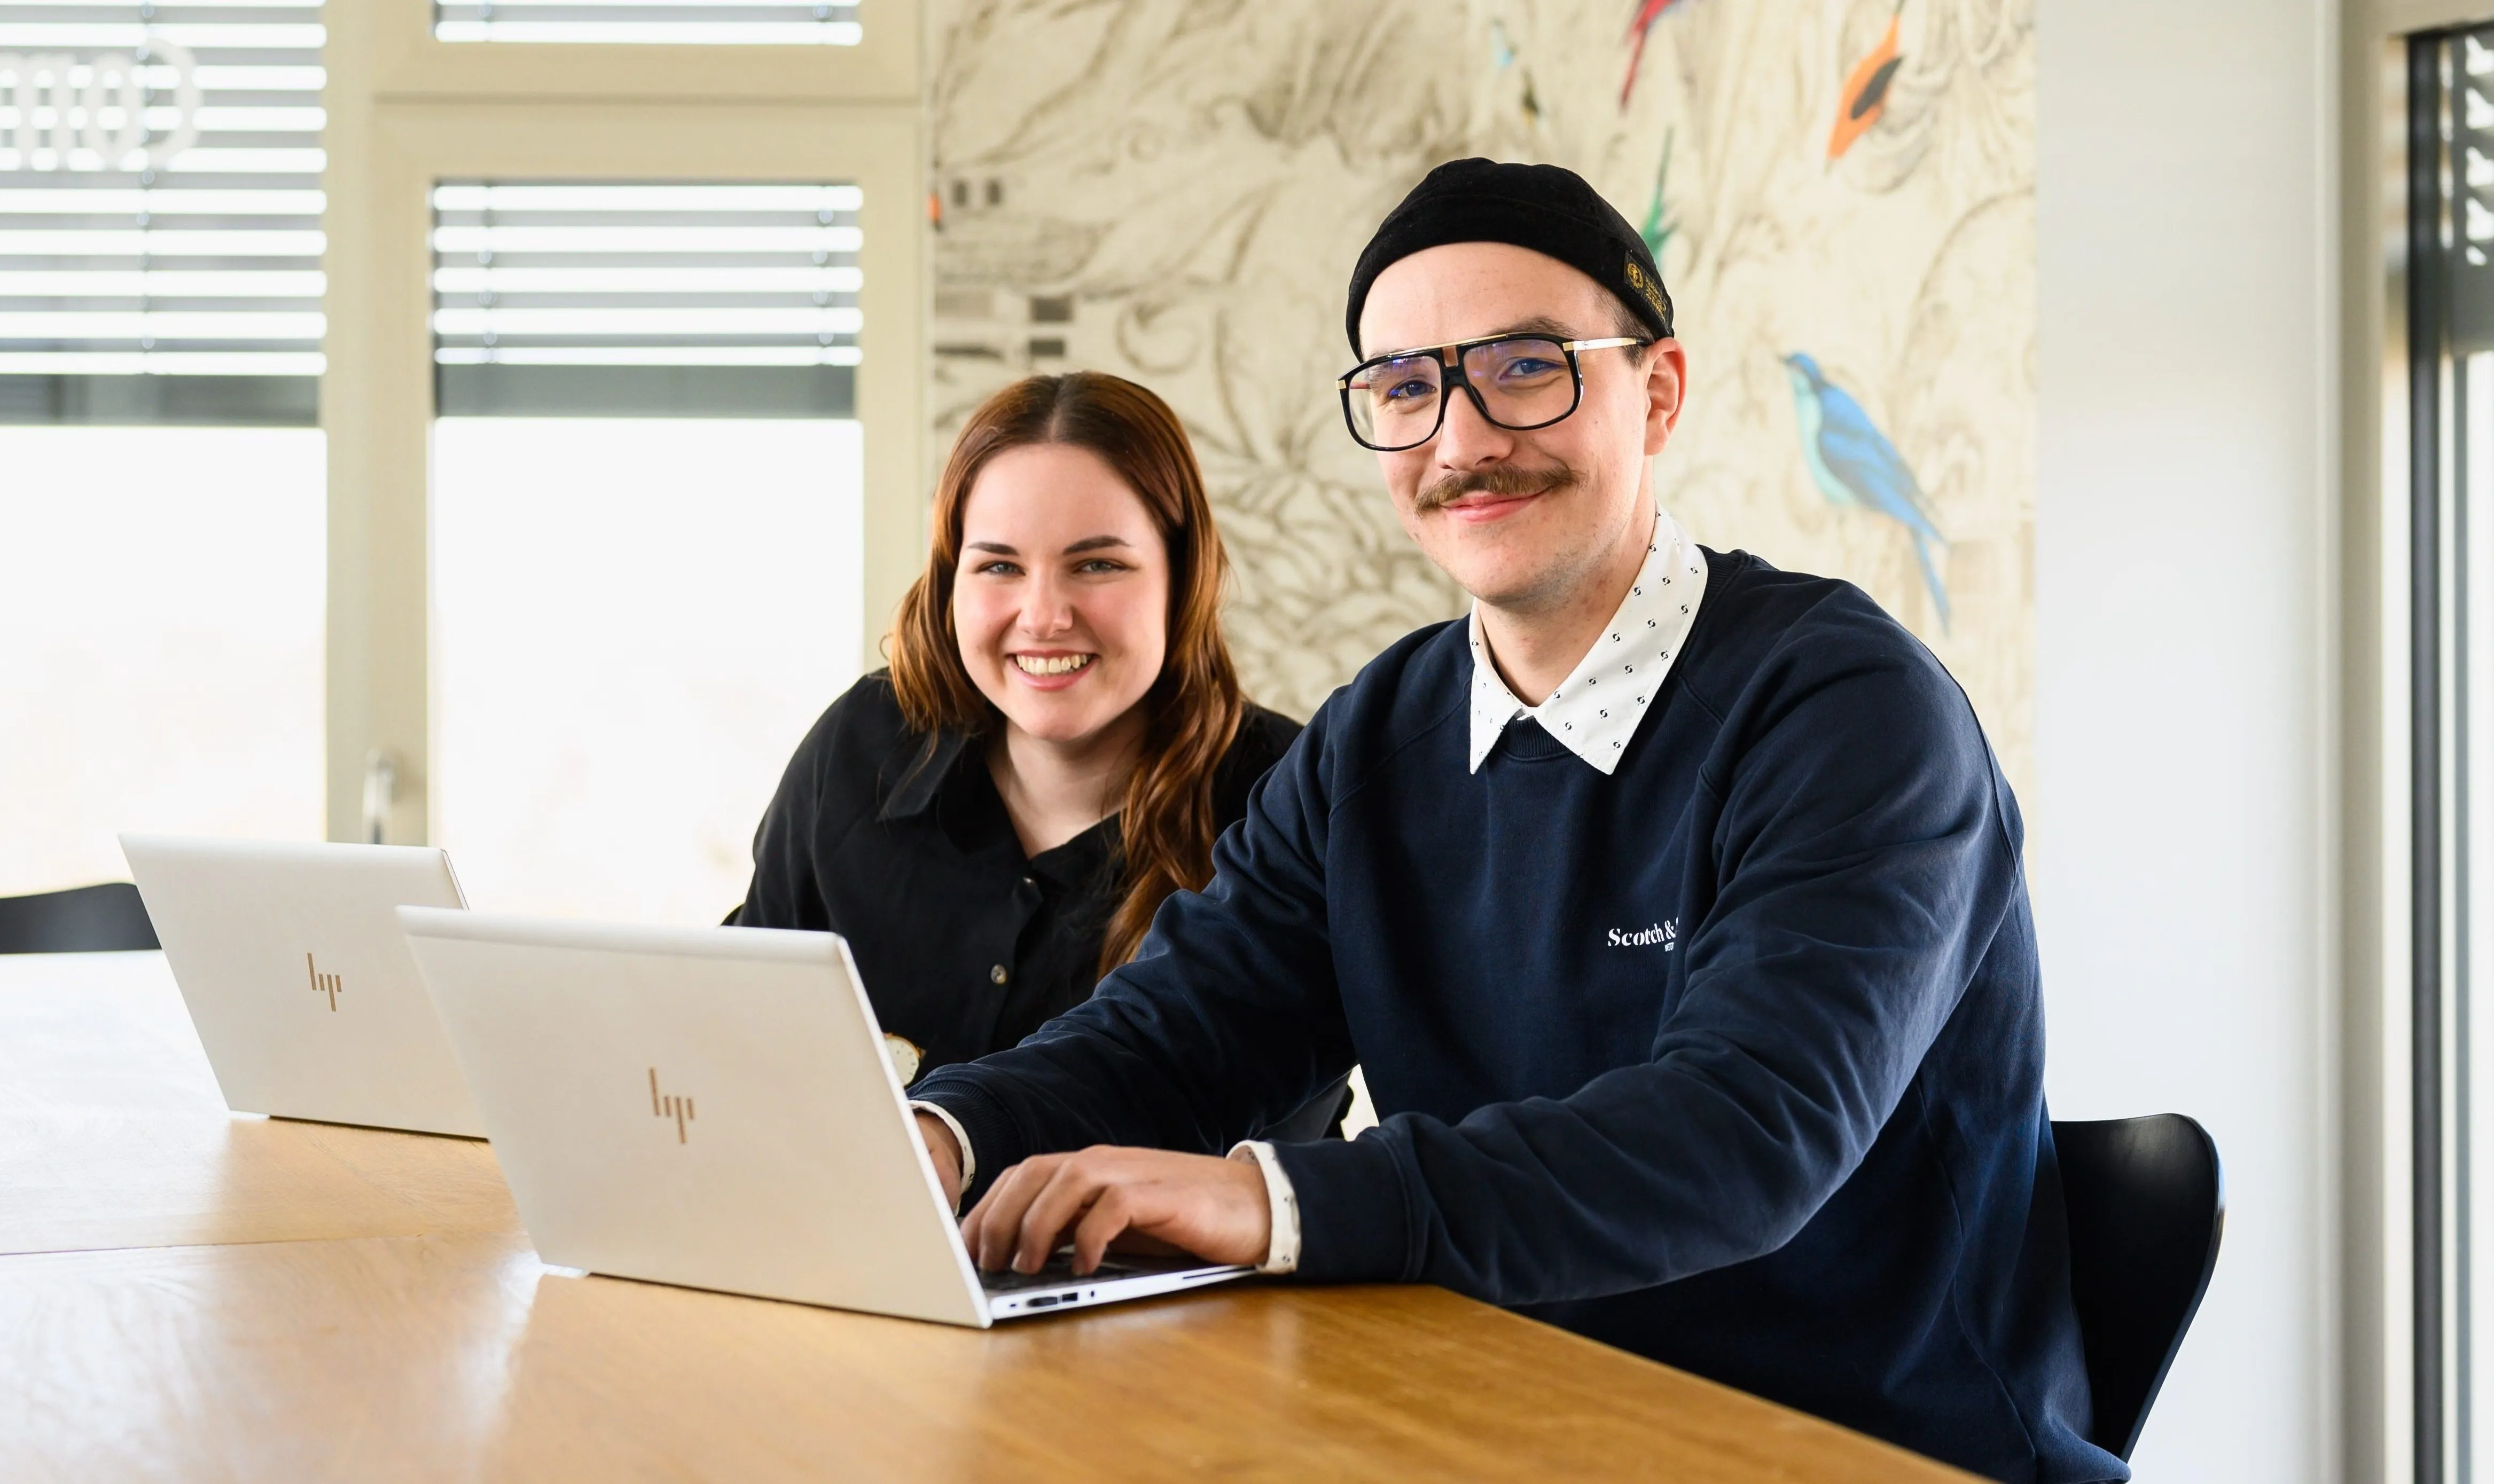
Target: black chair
[[84, 919], [2147, 1201]]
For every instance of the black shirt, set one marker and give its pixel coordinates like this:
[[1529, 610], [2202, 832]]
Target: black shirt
[[904, 848]]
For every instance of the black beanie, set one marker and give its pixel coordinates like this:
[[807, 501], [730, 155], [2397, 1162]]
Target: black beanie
[[1545, 207]]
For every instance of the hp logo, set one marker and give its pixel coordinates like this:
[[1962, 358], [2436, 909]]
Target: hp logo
[[91, 112], [670, 1104], [324, 984]]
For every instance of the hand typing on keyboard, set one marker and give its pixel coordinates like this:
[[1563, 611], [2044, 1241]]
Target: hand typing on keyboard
[[1214, 1208]]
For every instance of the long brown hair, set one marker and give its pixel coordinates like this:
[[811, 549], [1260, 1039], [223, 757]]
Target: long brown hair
[[1195, 707]]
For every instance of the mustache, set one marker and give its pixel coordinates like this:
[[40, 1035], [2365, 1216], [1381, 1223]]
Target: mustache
[[1506, 479]]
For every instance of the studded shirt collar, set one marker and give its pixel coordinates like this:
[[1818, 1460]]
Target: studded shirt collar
[[1596, 708]]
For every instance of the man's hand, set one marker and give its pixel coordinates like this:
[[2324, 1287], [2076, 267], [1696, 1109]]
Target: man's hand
[[1212, 1207], [947, 1153]]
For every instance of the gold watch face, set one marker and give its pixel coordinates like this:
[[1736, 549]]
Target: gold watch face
[[906, 1057]]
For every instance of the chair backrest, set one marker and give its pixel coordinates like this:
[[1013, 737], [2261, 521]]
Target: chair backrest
[[84, 919], [2147, 1201]]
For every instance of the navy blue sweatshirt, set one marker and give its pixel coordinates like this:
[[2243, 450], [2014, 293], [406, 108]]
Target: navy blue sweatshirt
[[1733, 1058]]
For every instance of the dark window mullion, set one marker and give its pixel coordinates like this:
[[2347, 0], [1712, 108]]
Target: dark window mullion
[[2427, 318]]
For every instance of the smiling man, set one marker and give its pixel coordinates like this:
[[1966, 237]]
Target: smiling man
[[1672, 904]]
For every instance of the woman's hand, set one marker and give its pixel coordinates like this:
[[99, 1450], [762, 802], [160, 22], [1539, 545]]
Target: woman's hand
[[1214, 1208]]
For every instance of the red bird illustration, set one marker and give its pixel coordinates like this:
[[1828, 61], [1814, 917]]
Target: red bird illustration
[[1648, 11], [1866, 90]]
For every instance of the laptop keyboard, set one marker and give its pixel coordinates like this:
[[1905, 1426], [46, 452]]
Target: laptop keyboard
[[1059, 1272]]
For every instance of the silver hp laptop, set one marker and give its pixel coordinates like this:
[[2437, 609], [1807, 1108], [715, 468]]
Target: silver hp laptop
[[298, 976], [712, 1106]]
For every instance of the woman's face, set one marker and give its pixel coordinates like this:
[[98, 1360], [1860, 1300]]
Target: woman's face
[[1061, 600]]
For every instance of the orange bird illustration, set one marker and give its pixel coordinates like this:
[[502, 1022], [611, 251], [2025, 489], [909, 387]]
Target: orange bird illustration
[[1648, 11], [1866, 90]]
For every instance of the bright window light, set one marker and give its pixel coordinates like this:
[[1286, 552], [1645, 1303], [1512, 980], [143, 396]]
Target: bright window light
[[634, 624], [161, 602]]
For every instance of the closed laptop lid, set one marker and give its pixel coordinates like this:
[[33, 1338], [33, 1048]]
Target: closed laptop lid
[[708, 1106], [297, 976]]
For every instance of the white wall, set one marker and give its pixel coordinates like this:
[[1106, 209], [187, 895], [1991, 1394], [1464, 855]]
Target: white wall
[[2180, 587]]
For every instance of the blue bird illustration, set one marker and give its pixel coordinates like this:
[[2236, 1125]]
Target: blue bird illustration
[[1853, 464]]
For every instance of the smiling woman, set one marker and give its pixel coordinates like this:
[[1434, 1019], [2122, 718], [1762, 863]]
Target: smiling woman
[[1061, 736], [1060, 612]]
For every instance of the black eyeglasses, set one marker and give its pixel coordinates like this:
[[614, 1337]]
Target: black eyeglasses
[[1518, 382]]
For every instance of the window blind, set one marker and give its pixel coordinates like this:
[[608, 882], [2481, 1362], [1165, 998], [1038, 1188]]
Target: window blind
[[160, 211], [2471, 142], [646, 299], [666, 23]]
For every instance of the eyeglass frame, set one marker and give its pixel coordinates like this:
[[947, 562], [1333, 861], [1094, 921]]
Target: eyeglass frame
[[1452, 370]]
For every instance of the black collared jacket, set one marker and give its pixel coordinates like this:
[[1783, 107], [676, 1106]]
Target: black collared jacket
[[901, 843]]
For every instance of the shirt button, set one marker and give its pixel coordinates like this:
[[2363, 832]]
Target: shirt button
[[996, 974]]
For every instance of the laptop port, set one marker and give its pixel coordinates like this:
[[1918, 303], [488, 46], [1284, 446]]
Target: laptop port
[[1043, 1301]]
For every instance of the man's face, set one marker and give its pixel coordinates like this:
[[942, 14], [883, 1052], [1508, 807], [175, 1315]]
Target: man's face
[[1522, 520]]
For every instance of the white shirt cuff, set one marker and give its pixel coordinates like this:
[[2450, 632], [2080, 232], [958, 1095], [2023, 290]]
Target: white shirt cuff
[[970, 1156], [1283, 1254]]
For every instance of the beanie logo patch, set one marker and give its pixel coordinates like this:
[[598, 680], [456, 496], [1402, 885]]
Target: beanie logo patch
[[1644, 288]]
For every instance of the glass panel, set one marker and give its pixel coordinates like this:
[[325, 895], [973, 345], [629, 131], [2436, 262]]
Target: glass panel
[[634, 625], [646, 527], [2471, 662], [160, 212], [665, 22], [2451, 282], [161, 600]]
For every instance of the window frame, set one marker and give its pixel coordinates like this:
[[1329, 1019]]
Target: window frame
[[406, 111]]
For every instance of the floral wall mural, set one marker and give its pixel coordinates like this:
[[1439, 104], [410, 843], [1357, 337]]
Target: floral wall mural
[[1840, 193]]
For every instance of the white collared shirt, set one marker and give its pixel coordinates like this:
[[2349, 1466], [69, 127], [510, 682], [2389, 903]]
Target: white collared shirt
[[1596, 708]]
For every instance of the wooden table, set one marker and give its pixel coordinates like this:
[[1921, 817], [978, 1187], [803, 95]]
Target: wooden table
[[189, 1294], [112, 1132]]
